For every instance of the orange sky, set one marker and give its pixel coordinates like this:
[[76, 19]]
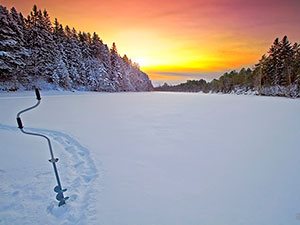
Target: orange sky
[[176, 40]]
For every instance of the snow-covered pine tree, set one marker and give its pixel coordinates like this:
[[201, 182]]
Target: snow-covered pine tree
[[61, 73], [86, 56], [105, 57], [296, 64], [285, 59], [6, 34], [273, 65], [45, 21], [295, 74], [41, 63], [74, 57], [100, 65], [128, 73], [116, 74], [12, 50], [19, 27], [261, 73]]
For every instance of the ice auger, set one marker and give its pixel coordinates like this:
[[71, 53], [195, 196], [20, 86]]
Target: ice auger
[[58, 189]]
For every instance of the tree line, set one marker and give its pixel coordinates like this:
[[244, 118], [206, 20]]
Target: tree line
[[36, 53], [277, 73]]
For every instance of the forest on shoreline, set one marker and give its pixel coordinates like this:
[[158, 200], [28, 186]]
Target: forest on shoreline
[[36, 53], [276, 74]]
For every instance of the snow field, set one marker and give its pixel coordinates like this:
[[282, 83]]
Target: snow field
[[152, 158]]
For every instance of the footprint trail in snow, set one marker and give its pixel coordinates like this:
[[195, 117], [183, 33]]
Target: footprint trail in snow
[[78, 173]]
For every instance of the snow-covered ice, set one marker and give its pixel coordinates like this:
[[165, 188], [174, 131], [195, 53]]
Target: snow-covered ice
[[151, 158]]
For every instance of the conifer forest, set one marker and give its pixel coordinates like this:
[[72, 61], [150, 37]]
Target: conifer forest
[[277, 74], [36, 53]]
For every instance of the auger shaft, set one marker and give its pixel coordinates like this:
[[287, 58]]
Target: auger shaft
[[58, 189]]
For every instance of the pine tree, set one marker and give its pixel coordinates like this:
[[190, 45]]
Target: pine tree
[[261, 70], [296, 64], [285, 58], [61, 73], [74, 57], [42, 46], [127, 60], [116, 75], [58, 31], [12, 50], [273, 65], [21, 52], [106, 58], [45, 21], [6, 45]]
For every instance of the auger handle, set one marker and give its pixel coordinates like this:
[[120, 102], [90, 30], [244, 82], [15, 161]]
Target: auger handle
[[37, 93], [19, 121]]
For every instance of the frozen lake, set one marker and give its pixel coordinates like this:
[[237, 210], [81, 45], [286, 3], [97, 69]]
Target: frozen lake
[[152, 159]]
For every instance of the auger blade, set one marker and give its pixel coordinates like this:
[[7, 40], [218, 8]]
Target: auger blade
[[58, 190], [63, 201]]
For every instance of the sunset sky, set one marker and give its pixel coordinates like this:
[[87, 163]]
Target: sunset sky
[[176, 40]]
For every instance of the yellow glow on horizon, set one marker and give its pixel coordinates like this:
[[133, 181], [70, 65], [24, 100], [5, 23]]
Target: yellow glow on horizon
[[156, 52], [162, 77]]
